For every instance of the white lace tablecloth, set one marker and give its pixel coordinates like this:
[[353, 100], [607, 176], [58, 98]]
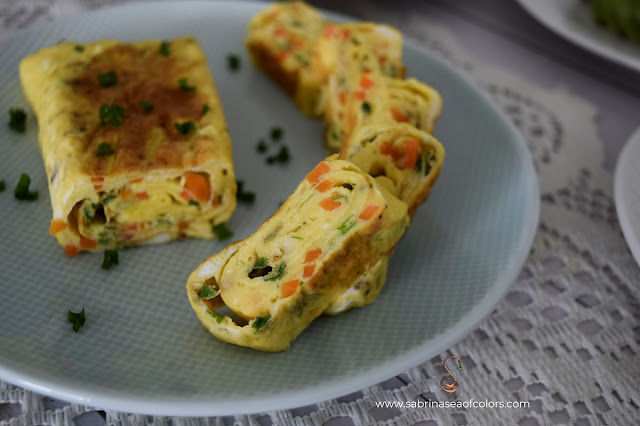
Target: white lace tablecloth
[[565, 339]]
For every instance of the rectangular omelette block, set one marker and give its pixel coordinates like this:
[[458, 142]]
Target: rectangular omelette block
[[319, 253], [134, 141]]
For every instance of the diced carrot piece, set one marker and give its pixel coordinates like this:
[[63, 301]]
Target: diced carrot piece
[[186, 195], [280, 32], [315, 174], [330, 30], [87, 243], [324, 185], [95, 179], [368, 212], [216, 201], [342, 97], [345, 34], [360, 95], [56, 226], [98, 187], [399, 116], [198, 185], [142, 196], [124, 194], [411, 149], [283, 55], [289, 288], [329, 204], [182, 226], [387, 149], [366, 82], [308, 270], [312, 255], [382, 59], [71, 250], [138, 180], [296, 42]]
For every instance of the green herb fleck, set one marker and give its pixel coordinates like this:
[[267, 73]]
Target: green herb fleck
[[184, 86], [366, 107], [207, 292], [104, 149], [88, 213], [233, 62], [301, 282], [108, 79], [205, 109], [262, 146], [221, 231], [296, 237], [146, 106], [279, 274], [335, 135], [218, 317], [301, 59], [305, 201], [22, 189], [260, 263], [297, 24], [423, 163], [337, 197], [17, 120], [194, 203], [165, 48], [112, 115], [186, 127], [259, 322], [78, 48], [349, 223], [108, 198], [244, 196], [110, 259], [77, 319], [276, 133], [3, 185], [281, 157]]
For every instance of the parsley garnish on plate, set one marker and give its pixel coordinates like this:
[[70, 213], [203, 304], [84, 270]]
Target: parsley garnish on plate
[[262, 146], [233, 62], [276, 133], [104, 149], [184, 86], [281, 157], [244, 196], [77, 319], [186, 127], [22, 189], [259, 322], [111, 114], [146, 106], [3, 185], [17, 120], [165, 48], [207, 292], [221, 231], [110, 259], [108, 79]]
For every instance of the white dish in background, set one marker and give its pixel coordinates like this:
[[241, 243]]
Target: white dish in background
[[627, 192], [572, 20], [143, 349]]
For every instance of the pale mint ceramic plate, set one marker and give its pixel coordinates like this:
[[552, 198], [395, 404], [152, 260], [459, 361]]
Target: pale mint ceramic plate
[[142, 348], [627, 192], [572, 19]]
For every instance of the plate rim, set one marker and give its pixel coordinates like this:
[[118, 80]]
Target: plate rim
[[591, 44], [622, 209], [121, 401]]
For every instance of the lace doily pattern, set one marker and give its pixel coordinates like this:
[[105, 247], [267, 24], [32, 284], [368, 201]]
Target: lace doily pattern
[[566, 337]]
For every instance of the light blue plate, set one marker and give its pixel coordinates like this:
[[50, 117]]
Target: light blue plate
[[143, 349]]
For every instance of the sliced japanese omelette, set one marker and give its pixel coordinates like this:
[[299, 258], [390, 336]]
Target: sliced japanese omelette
[[134, 141], [262, 292]]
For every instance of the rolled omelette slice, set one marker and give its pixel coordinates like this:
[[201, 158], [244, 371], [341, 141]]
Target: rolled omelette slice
[[411, 101], [404, 160], [134, 142], [262, 292], [281, 40]]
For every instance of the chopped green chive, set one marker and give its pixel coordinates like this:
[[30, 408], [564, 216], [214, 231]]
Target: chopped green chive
[[184, 86], [194, 203], [146, 106], [337, 197], [218, 317], [302, 60], [349, 223], [423, 163], [110, 259], [108, 198], [260, 263], [281, 157], [207, 292], [259, 322], [77, 319], [279, 274], [262, 146], [112, 115], [221, 231], [22, 189], [233, 62], [88, 213], [78, 48], [205, 109], [165, 48], [18, 120], [296, 237], [108, 79], [244, 196], [186, 127], [366, 107], [276, 133], [104, 149], [3, 185]]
